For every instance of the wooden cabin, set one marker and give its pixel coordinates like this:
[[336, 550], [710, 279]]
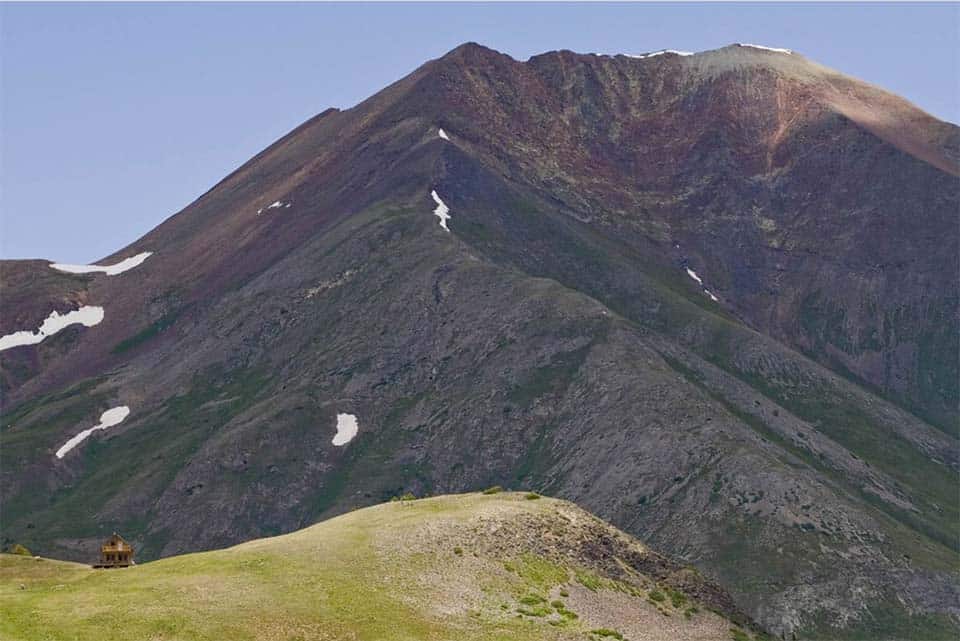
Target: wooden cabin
[[115, 553]]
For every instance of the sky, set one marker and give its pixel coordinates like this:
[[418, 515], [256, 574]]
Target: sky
[[114, 117]]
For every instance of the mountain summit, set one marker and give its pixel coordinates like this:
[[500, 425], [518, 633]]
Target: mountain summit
[[710, 297]]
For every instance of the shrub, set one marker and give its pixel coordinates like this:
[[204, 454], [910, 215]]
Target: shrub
[[532, 496], [496, 489], [564, 593], [589, 580], [607, 632], [538, 611], [739, 635], [677, 598], [563, 611], [20, 549], [458, 551], [532, 599], [657, 595]]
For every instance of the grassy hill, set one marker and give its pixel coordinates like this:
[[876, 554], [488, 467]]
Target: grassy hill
[[476, 566]]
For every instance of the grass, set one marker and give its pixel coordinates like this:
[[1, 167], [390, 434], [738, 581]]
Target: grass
[[150, 331], [607, 633], [351, 577]]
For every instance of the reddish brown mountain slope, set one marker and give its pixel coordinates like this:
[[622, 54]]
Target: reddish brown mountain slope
[[795, 437]]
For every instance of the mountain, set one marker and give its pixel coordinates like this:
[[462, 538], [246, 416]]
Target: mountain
[[455, 567], [712, 298]]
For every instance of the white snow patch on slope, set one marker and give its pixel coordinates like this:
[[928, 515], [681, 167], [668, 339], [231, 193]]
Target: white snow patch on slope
[[659, 53], [277, 204], [109, 418], [443, 134], [110, 270], [775, 49], [442, 211], [692, 274], [346, 429], [88, 316]]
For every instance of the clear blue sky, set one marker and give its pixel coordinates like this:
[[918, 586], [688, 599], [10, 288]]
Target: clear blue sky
[[115, 116]]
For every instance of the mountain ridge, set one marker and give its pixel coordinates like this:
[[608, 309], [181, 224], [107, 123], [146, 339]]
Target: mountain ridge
[[556, 338]]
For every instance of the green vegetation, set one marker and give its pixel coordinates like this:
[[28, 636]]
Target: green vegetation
[[360, 576], [496, 489], [607, 633], [657, 595], [554, 377], [589, 580], [153, 329], [16, 548], [677, 598], [531, 496], [38, 519]]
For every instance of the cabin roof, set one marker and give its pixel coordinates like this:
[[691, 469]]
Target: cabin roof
[[116, 543]]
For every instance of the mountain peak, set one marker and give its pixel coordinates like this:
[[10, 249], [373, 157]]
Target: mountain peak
[[473, 52]]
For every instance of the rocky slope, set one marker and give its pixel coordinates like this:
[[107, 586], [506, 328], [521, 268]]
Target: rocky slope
[[456, 567], [711, 298]]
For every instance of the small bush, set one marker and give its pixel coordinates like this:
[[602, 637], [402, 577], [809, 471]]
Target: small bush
[[677, 598], [532, 496], [496, 489], [657, 595], [20, 549], [564, 593], [607, 632], [532, 599], [458, 551], [563, 611], [689, 612], [590, 581], [739, 635], [536, 611]]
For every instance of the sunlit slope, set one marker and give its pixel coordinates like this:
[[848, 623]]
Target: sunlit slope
[[504, 566]]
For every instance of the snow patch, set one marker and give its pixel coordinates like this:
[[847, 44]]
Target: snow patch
[[109, 418], [274, 205], [774, 49], [88, 316], [442, 211], [346, 429], [659, 53], [692, 274], [110, 270], [443, 134]]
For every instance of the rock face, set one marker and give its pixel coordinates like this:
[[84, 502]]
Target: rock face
[[711, 298]]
